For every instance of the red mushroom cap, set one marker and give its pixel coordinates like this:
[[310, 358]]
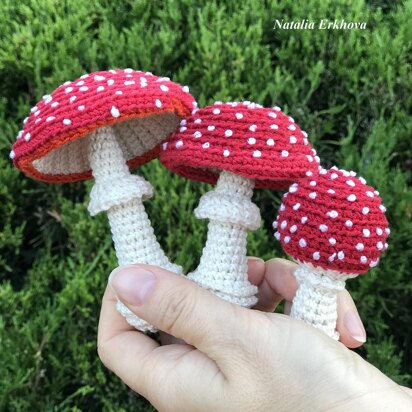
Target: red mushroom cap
[[49, 147], [243, 138], [333, 220]]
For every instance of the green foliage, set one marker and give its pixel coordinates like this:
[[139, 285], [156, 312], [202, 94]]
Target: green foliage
[[350, 89]]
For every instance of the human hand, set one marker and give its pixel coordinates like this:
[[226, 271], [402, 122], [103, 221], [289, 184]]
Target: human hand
[[234, 359]]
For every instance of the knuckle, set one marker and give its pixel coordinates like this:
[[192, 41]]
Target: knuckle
[[178, 308]]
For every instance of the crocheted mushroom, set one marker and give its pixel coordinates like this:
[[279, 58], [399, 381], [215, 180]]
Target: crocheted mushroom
[[335, 227], [236, 146], [97, 126]]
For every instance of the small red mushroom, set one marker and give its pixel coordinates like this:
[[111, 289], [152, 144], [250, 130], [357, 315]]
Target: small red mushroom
[[335, 227], [235, 146], [97, 126]]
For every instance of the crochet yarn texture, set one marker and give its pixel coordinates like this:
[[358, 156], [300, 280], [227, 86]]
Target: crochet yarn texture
[[335, 227], [92, 126], [236, 146]]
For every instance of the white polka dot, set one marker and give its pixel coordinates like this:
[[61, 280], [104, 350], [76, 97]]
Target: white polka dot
[[100, 88], [251, 140], [239, 116], [110, 82], [349, 223], [283, 224], [369, 193], [382, 208], [332, 241], [50, 118], [164, 88], [316, 255], [83, 89], [296, 206], [68, 89], [292, 127], [379, 245], [67, 122], [206, 145], [331, 258], [211, 128], [293, 229], [277, 108], [275, 224], [387, 231], [333, 176], [20, 134], [197, 134], [12, 155], [129, 82], [80, 83], [282, 207], [374, 263], [25, 120], [216, 111], [198, 121], [38, 111], [179, 143], [323, 228], [114, 111], [118, 92], [54, 104], [257, 153], [363, 259], [27, 137], [365, 210], [285, 153], [361, 179], [164, 145], [292, 139], [302, 243], [38, 120], [85, 76], [228, 133], [304, 219], [351, 198], [253, 128], [312, 183], [350, 183], [273, 115], [379, 231], [313, 195], [100, 78], [226, 153], [274, 126], [293, 188], [310, 158], [333, 214], [185, 89], [305, 141], [270, 142], [386, 245], [331, 191], [366, 232], [158, 103], [286, 239], [277, 235], [182, 129], [309, 173], [360, 246], [345, 173], [341, 255]]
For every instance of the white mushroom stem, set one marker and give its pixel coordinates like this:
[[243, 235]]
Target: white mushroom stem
[[121, 195], [223, 265], [315, 301]]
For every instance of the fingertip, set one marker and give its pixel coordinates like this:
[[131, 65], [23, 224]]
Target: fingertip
[[280, 277], [349, 325], [256, 270]]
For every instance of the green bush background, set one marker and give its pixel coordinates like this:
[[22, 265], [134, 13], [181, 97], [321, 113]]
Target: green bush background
[[350, 89]]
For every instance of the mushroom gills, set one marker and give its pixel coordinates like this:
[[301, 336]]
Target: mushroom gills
[[121, 195], [223, 265]]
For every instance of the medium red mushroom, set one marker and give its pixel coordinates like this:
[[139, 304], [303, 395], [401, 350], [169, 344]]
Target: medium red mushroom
[[236, 146], [335, 227], [99, 126]]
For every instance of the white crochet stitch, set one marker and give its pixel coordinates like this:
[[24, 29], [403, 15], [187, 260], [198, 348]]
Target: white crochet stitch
[[121, 194], [223, 265], [315, 301]]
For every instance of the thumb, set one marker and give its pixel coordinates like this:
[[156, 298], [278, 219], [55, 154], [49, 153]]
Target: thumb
[[177, 306]]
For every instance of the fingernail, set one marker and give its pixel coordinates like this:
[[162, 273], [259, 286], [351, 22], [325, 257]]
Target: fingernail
[[354, 326], [132, 284], [254, 259]]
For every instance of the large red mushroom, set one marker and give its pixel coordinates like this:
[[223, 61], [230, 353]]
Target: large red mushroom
[[100, 126], [335, 227], [236, 146]]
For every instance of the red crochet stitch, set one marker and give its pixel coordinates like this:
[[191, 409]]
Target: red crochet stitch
[[77, 108], [333, 220], [243, 138]]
